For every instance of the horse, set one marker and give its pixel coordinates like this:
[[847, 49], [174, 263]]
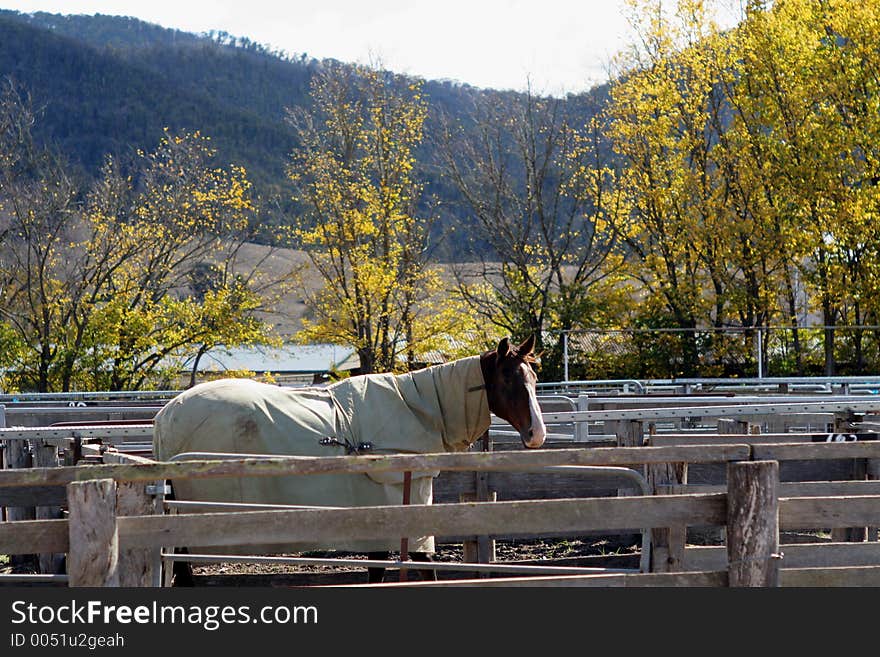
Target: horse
[[440, 408]]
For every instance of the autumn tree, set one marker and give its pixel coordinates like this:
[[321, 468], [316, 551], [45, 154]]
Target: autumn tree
[[182, 215], [805, 104], [535, 191], [96, 286], [354, 176], [693, 223], [38, 199]]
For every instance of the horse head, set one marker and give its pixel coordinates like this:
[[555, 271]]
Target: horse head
[[510, 389]]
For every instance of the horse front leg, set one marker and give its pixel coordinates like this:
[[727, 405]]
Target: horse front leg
[[427, 575], [376, 575], [182, 573]]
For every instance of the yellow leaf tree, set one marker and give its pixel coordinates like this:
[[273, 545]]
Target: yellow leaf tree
[[805, 104], [96, 287], [354, 177], [177, 291]]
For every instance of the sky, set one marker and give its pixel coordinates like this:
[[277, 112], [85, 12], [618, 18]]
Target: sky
[[555, 46]]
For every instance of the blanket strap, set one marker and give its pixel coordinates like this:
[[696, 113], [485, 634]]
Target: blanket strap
[[350, 448], [404, 542]]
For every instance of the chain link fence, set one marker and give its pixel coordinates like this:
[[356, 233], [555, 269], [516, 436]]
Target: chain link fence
[[709, 353]]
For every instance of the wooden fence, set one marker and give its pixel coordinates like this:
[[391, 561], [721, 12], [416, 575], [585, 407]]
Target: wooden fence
[[666, 462], [103, 540]]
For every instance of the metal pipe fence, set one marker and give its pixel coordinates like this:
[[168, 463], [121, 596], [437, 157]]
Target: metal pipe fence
[[725, 352]]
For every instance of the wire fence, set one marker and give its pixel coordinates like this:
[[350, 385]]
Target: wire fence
[[706, 353]]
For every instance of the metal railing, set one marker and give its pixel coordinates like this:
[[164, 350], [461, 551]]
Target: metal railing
[[741, 351]]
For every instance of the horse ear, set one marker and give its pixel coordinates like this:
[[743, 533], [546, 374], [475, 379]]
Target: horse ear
[[503, 349], [528, 346]]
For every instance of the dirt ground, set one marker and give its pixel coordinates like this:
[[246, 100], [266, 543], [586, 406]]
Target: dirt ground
[[586, 552], [595, 552]]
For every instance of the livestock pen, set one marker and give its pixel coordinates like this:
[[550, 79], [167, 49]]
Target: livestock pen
[[128, 503], [100, 540]]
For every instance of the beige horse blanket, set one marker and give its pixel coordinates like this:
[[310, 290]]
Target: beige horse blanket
[[441, 408]]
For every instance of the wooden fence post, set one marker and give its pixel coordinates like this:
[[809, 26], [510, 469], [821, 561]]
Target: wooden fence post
[[2, 455], [873, 472], [485, 545], [753, 523], [137, 567], [728, 426], [630, 433], [46, 456], [93, 557], [471, 547], [16, 454], [667, 543]]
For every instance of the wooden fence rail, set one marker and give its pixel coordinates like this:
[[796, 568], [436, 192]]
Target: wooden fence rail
[[541, 517], [138, 533], [296, 465]]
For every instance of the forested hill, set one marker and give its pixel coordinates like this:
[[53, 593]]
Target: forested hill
[[111, 84]]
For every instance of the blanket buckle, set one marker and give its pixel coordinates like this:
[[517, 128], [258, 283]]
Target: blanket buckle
[[350, 448]]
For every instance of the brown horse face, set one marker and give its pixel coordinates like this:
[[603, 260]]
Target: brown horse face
[[511, 391]]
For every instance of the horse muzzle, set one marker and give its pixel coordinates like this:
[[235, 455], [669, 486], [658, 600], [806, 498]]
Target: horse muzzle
[[533, 437]]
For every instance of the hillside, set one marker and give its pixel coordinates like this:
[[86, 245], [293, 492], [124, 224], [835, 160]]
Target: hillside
[[115, 98], [111, 84]]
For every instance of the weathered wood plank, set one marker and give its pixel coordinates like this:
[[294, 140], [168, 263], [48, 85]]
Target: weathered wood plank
[[795, 555], [51, 535], [449, 486], [499, 519], [829, 512], [639, 580], [826, 577], [27, 536], [32, 496], [512, 460], [664, 439], [853, 450], [93, 556], [114, 456], [753, 524], [787, 488], [671, 439]]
